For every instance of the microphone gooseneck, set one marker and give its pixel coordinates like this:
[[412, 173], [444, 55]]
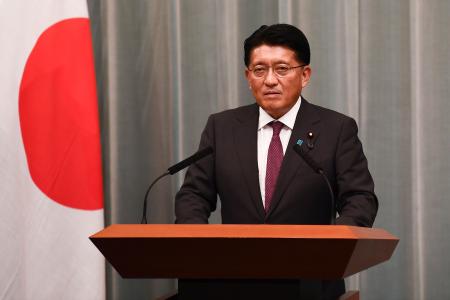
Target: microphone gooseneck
[[144, 210], [172, 170], [315, 166]]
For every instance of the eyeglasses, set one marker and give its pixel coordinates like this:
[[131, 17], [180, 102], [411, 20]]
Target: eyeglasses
[[280, 70]]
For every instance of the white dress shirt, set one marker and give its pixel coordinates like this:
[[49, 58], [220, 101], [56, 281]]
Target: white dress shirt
[[265, 136]]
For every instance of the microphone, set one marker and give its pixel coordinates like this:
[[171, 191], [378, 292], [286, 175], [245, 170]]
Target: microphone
[[315, 166], [191, 159], [172, 170]]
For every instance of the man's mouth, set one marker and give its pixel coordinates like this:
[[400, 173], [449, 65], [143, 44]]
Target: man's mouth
[[271, 92]]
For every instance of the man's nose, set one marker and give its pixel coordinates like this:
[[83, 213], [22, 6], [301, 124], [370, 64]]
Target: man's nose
[[271, 79]]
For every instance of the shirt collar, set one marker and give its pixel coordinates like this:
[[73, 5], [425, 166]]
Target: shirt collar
[[288, 118]]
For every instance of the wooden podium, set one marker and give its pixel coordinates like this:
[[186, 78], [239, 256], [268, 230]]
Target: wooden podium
[[233, 251]]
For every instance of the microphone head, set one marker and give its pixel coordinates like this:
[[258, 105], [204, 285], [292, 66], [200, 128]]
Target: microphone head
[[190, 160], [300, 150], [205, 151]]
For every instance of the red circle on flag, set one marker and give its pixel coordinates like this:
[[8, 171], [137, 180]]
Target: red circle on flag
[[59, 116]]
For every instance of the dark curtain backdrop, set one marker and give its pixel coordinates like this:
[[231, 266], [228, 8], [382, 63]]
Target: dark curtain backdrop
[[164, 66]]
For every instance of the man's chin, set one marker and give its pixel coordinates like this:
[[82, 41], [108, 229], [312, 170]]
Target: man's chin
[[271, 103]]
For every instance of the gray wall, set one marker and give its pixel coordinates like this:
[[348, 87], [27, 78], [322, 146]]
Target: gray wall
[[164, 66]]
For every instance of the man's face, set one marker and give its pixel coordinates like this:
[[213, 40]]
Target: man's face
[[276, 94]]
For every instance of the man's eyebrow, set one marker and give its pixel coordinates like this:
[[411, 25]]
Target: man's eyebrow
[[280, 61]]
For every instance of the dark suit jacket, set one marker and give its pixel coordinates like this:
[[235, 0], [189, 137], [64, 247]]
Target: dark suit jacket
[[301, 196]]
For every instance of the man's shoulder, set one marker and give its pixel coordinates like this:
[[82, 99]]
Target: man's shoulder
[[239, 113], [326, 113]]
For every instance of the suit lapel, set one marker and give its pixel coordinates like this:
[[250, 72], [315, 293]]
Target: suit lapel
[[245, 138], [307, 121]]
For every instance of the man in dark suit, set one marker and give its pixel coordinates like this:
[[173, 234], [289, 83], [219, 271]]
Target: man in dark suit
[[258, 176]]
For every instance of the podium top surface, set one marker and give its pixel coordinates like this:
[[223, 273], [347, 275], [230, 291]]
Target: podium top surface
[[242, 231]]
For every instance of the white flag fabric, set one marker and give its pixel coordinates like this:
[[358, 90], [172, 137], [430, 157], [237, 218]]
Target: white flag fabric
[[51, 197]]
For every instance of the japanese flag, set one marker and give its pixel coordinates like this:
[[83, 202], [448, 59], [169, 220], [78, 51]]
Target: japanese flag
[[51, 197]]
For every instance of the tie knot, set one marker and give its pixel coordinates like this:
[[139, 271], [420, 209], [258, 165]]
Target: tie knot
[[276, 126]]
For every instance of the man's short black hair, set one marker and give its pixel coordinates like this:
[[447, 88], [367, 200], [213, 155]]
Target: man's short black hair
[[279, 35]]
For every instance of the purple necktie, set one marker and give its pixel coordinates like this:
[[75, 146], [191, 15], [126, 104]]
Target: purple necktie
[[274, 159]]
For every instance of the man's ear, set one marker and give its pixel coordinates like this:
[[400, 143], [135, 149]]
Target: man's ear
[[306, 75], [247, 74]]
